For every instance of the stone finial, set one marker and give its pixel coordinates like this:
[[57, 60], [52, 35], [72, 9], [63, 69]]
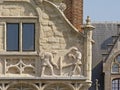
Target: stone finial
[[88, 25], [62, 6], [88, 21]]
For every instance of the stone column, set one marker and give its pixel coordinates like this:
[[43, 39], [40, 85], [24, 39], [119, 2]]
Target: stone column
[[88, 49], [107, 80]]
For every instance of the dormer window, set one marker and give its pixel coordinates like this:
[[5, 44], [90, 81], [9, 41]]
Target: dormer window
[[20, 37]]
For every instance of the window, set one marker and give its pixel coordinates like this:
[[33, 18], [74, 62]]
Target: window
[[20, 37], [13, 37], [118, 58], [116, 65], [116, 84], [115, 68], [28, 37]]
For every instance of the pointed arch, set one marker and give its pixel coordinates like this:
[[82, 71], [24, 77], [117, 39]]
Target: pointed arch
[[58, 85], [22, 85]]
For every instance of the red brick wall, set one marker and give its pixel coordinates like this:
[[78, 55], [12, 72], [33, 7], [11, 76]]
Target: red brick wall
[[74, 12]]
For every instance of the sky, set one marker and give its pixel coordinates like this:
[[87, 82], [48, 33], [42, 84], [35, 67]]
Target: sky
[[102, 10]]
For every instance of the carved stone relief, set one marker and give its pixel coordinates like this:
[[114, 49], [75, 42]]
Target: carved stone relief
[[47, 64], [47, 61], [69, 65], [20, 66], [76, 56], [62, 6]]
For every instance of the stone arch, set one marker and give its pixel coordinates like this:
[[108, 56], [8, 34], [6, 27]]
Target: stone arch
[[64, 86], [109, 61], [109, 76], [23, 85]]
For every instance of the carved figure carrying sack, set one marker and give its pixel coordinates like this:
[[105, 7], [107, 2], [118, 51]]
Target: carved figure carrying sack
[[76, 55]]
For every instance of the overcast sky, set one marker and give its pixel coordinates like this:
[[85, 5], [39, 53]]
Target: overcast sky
[[102, 10]]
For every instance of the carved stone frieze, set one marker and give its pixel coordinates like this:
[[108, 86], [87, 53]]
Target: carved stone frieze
[[69, 65], [47, 61], [20, 66]]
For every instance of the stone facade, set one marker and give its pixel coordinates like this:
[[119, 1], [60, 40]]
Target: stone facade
[[62, 56]]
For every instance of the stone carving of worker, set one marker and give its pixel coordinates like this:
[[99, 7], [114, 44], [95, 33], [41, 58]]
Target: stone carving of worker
[[76, 55], [47, 61]]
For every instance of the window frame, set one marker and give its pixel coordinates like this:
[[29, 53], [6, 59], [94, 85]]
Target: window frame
[[7, 37], [113, 65], [33, 37], [116, 85], [20, 22]]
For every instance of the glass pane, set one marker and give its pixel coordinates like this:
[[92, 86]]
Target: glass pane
[[115, 84], [118, 58], [28, 39], [12, 37], [115, 68]]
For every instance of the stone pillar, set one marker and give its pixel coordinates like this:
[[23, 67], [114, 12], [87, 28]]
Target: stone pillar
[[88, 49], [107, 80]]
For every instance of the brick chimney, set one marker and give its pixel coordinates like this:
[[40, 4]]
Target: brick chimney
[[74, 12]]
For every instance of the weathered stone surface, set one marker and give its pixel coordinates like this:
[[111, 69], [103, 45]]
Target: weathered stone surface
[[16, 9], [2, 28], [54, 39]]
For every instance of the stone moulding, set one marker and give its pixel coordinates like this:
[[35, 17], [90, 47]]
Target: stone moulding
[[46, 78], [64, 17]]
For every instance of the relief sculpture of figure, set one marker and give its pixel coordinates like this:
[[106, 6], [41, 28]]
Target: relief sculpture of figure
[[47, 61], [76, 55]]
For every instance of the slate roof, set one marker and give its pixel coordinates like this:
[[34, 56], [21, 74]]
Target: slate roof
[[102, 35]]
